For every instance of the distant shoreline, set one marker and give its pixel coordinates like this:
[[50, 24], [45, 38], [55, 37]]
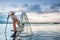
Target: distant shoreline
[[3, 22]]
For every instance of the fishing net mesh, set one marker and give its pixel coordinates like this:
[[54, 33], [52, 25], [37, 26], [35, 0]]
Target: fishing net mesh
[[24, 20]]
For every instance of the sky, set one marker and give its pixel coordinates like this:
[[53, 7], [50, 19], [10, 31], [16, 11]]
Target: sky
[[28, 6]]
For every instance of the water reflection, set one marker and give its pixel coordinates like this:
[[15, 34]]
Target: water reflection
[[40, 32], [46, 36], [23, 38], [27, 38]]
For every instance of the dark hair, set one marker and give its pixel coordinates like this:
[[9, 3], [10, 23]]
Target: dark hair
[[12, 12]]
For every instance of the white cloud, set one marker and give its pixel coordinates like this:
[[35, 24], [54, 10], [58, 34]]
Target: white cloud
[[8, 9], [50, 17]]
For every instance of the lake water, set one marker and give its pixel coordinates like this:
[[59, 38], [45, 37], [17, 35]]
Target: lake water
[[40, 32]]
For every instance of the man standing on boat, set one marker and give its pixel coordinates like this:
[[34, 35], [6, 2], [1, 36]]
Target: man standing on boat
[[15, 21]]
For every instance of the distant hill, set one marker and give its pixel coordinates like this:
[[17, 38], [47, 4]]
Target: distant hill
[[4, 22]]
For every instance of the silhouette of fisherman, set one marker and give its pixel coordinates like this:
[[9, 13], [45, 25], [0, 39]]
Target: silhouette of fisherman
[[15, 21]]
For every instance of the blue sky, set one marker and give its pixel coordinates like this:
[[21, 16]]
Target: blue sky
[[29, 5]]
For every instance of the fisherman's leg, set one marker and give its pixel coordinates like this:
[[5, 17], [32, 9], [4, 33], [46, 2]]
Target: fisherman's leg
[[14, 26], [18, 22], [14, 34], [20, 27]]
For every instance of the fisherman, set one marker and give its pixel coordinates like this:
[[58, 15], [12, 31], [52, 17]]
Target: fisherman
[[15, 21]]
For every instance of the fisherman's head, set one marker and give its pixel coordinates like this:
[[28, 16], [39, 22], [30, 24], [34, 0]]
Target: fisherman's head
[[12, 12]]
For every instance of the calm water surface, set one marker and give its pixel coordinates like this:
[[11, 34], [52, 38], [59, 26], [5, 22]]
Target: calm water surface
[[40, 32]]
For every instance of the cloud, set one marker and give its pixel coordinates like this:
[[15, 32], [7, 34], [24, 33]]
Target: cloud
[[13, 5], [25, 5], [10, 8], [55, 7], [34, 8], [28, 8]]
